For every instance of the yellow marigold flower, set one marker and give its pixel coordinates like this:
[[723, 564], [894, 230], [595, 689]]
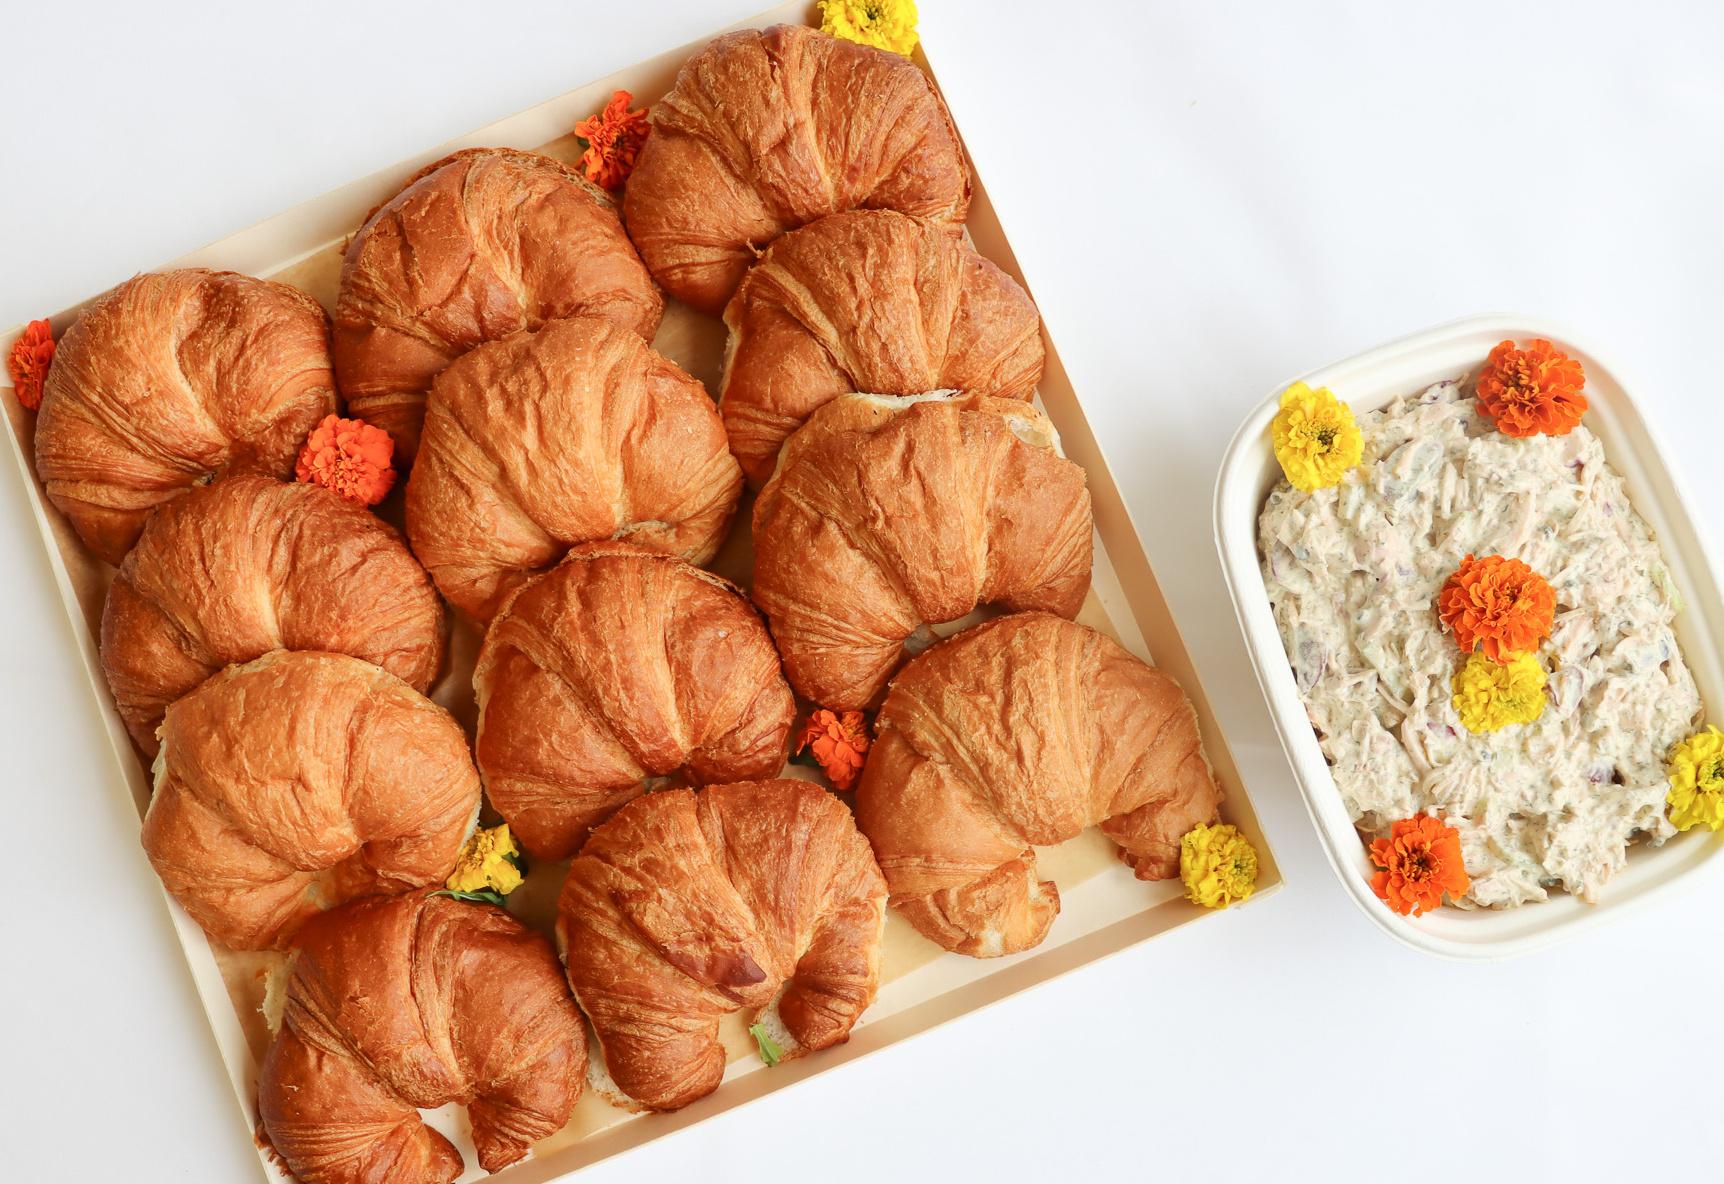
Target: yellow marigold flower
[[1489, 696], [1316, 440], [1697, 781], [1218, 866], [488, 862], [884, 24]]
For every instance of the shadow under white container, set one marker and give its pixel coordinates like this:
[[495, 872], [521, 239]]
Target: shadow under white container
[[1367, 382]]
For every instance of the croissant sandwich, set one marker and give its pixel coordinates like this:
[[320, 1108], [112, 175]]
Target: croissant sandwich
[[685, 907], [475, 247], [299, 781], [170, 380], [769, 129], [249, 565], [888, 515], [545, 439], [403, 1004], [868, 301], [1021, 732], [616, 667]]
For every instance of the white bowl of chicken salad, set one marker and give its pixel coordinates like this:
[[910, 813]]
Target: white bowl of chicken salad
[[1552, 805]]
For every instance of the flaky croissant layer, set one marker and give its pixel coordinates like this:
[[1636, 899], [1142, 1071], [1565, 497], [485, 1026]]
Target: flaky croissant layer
[[573, 433], [869, 300], [172, 379], [301, 780], [886, 515], [234, 570], [397, 1005], [478, 245], [1020, 733], [766, 130], [687, 906], [617, 666]]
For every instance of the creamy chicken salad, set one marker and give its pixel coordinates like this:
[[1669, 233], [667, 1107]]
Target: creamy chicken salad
[[1353, 574]]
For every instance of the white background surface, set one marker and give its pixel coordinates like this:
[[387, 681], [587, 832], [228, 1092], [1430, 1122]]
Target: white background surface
[[1207, 199]]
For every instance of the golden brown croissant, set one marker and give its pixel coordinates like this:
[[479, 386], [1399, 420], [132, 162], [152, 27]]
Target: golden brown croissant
[[685, 907], [301, 780], [249, 565], [616, 666], [475, 247], [170, 380], [868, 301], [769, 129], [543, 440], [886, 515], [401, 1004], [1020, 731]]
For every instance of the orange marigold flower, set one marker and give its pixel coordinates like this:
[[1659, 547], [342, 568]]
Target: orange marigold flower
[[1421, 860], [351, 457], [613, 138], [28, 362], [1533, 391], [1499, 605], [839, 743]]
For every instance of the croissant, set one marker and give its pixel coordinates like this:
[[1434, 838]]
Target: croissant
[[170, 380], [1019, 732], [475, 247], [886, 515], [248, 565], [685, 907], [299, 781], [573, 433], [616, 666], [766, 130], [402, 1004], [868, 301]]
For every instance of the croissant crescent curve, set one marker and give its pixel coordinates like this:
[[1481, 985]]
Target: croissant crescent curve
[[233, 571], [873, 301], [407, 1003], [476, 246], [618, 666], [1019, 732], [299, 781], [766, 130], [573, 433], [685, 907], [172, 379], [229, 572], [888, 515]]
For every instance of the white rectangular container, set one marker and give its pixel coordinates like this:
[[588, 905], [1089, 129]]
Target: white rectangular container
[[1368, 382]]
